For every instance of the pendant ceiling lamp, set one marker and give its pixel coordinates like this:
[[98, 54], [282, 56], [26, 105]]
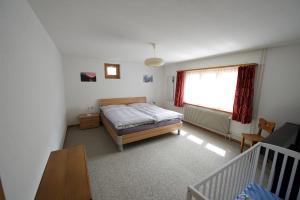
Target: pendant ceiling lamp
[[154, 61]]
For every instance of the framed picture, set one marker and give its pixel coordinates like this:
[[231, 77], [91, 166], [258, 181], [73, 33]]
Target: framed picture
[[112, 71], [88, 77], [148, 78]]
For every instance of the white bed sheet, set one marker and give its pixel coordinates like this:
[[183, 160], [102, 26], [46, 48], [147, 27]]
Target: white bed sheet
[[157, 113], [122, 116]]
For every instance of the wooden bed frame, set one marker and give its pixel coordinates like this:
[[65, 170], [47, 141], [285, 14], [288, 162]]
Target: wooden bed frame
[[134, 136]]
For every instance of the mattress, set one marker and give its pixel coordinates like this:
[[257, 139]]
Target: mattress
[[125, 131]]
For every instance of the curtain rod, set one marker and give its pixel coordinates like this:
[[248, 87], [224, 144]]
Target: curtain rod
[[221, 66]]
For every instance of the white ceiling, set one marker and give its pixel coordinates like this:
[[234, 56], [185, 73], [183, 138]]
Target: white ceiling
[[119, 30]]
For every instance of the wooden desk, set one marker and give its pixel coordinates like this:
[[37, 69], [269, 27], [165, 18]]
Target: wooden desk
[[65, 176]]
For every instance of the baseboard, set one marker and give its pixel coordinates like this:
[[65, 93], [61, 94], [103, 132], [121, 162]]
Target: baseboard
[[218, 134], [64, 138], [209, 130], [73, 125], [66, 131]]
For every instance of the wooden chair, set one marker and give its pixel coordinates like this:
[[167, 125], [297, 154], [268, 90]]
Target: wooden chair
[[254, 138], [2, 197]]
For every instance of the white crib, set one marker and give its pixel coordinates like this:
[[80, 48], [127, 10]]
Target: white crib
[[256, 165]]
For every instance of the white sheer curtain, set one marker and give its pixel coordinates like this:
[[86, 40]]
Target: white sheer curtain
[[212, 88]]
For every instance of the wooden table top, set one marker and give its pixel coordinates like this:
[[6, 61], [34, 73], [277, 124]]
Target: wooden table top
[[65, 176], [89, 115]]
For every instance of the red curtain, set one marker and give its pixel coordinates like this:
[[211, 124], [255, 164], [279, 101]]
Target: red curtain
[[242, 107], [179, 89]]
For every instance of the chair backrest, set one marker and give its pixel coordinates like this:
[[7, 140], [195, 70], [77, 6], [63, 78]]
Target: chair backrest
[[2, 196], [265, 125]]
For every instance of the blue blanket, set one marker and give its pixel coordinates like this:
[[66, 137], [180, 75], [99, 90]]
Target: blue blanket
[[256, 192]]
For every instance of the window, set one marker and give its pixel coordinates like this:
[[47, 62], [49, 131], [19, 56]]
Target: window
[[112, 71], [211, 88]]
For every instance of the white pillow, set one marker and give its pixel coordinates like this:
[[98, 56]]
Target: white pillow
[[139, 104], [112, 106]]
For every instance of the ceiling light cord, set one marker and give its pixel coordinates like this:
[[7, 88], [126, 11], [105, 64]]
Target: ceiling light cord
[[154, 48]]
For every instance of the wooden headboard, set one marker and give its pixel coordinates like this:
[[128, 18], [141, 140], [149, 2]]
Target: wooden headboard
[[127, 100]]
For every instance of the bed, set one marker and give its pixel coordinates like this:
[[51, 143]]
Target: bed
[[263, 172], [128, 134]]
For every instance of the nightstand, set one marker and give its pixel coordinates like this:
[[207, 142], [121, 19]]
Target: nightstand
[[89, 120]]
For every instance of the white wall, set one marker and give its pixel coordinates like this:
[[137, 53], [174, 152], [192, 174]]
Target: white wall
[[32, 99], [82, 95], [280, 95]]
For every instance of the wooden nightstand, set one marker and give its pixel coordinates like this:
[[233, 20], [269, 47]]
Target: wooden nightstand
[[89, 120]]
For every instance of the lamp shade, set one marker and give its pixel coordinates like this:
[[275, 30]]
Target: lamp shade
[[154, 62]]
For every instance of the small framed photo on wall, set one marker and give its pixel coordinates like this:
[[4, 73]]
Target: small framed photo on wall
[[148, 78], [88, 77]]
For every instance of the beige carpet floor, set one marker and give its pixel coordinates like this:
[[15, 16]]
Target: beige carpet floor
[[159, 168]]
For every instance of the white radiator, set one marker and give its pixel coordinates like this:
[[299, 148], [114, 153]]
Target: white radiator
[[215, 121]]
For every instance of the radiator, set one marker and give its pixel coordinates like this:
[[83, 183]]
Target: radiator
[[215, 121]]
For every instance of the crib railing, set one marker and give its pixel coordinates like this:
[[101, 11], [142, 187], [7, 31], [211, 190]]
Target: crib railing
[[258, 164]]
